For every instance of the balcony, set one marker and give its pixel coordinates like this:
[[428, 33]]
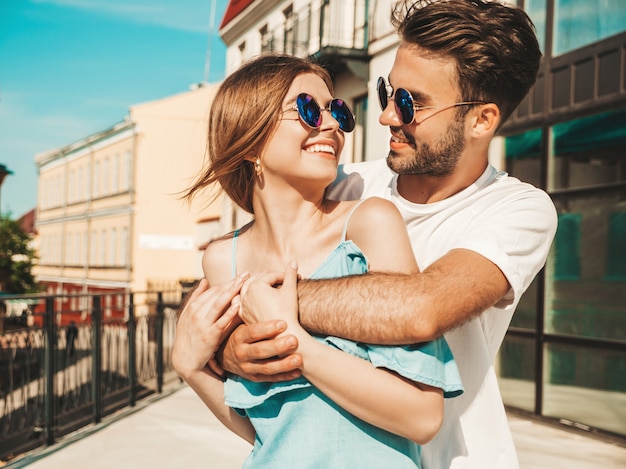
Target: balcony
[[334, 32]]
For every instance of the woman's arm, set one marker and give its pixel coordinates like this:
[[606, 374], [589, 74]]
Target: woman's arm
[[203, 324], [375, 395], [378, 396]]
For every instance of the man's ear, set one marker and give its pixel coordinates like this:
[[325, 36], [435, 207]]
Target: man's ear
[[486, 120]]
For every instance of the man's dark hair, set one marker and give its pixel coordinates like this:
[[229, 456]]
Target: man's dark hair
[[495, 48]]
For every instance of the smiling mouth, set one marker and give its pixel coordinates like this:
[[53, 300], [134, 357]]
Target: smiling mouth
[[318, 148]]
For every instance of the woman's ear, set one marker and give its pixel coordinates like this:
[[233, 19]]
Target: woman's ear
[[486, 120]]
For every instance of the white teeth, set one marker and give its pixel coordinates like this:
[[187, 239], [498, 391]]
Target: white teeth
[[398, 140], [321, 149]]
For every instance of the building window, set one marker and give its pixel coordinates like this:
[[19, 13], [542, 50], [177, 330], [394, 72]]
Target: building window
[[359, 135], [537, 10], [112, 247], [127, 174], [72, 187], [60, 192], [616, 247], [115, 176], [96, 180], [266, 39], [523, 156], [103, 248], [567, 247], [578, 23], [80, 184], [106, 189], [83, 252], [289, 39], [68, 249], [589, 152], [77, 248], [93, 248], [242, 52], [123, 251]]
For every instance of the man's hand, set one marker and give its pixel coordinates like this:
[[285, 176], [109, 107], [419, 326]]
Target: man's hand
[[256, 353], [272, 295]]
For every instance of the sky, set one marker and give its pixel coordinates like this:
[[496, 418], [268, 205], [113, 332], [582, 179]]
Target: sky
[[70, 68]]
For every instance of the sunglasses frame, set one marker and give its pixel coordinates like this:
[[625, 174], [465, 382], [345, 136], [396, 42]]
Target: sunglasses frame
[[304, 100], [406, 105]]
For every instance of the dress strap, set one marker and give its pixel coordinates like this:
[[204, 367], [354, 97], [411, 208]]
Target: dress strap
[[233, 255], [345, 227]]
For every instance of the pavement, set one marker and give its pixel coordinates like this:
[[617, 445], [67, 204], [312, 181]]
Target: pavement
[[175, 430]]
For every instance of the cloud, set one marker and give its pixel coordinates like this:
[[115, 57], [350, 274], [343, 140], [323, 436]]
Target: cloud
[[185, 15]]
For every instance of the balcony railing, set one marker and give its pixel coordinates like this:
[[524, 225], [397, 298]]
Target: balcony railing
[[336, 27], [61, 370]]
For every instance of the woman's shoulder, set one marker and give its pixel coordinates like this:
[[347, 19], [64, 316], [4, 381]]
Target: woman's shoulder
[[373, 211], [218, 257]]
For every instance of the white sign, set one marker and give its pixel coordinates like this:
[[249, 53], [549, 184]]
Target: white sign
[[165, 242]]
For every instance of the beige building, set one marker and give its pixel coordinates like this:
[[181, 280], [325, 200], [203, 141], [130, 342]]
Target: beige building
[[110, 217]]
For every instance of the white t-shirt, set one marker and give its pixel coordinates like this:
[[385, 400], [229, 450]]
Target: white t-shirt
[[510, 223]]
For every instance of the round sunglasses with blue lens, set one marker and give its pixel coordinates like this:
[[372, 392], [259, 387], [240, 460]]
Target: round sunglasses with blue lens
[[405, 107], [311, 113]]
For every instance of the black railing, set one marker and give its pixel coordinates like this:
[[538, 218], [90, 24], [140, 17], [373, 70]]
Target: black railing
[[62, 369], [331, 24]]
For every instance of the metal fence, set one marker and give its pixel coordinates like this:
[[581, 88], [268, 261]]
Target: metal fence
[[63, 369]]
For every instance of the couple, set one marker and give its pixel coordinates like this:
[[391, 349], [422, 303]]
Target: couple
[[348, 368]]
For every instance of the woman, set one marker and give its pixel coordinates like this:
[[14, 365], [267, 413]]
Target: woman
[[274, 150]]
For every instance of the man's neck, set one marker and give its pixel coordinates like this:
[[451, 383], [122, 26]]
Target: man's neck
[[426, 189]]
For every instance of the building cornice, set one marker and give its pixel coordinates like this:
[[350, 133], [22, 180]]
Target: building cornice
[[244, 21], [108, 136]]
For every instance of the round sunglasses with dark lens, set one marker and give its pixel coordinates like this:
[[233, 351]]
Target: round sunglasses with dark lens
[[311, 113], [405, 107]]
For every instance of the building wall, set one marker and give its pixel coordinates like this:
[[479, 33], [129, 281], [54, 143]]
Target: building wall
[[170, 153], [110, 216]]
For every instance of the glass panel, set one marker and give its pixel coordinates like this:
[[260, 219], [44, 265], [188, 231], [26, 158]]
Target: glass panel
[[589, 151], [526, 313], [359, 134], [516, 369], [586, 385], [523, 156], [536, 9], [581, 22], [586, 290]]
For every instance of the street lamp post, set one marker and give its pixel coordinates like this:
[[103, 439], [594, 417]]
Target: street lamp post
[[4, 171]]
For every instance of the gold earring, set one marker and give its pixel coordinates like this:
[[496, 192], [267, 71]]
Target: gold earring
[[258, 169]]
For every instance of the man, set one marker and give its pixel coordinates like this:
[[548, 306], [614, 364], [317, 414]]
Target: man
[[479, 236]]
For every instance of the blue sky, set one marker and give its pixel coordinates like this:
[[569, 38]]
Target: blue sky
[[69, 68]]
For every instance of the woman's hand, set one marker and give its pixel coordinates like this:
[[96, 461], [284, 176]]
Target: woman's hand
[[206, 320]]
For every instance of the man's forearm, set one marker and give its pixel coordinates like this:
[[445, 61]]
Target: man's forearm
[[397, 309], [372, 308]]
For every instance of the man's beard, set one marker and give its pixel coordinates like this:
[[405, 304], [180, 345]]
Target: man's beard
[[436, 160]]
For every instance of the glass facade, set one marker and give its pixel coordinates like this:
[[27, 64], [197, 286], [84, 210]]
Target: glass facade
[[579, 302], [564, 356], [578, 23], [586, 385], [586, 289], [536, 9]]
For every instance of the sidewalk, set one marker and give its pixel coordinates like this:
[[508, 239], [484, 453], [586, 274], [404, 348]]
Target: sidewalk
[[178, 431]]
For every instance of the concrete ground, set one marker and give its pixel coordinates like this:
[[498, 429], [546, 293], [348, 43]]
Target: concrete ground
[[176, 430]]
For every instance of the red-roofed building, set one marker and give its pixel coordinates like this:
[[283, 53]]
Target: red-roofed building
[[233, 9]]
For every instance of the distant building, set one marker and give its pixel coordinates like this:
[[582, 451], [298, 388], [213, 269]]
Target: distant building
[[565, 354], [27, 222], [109, 214]]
